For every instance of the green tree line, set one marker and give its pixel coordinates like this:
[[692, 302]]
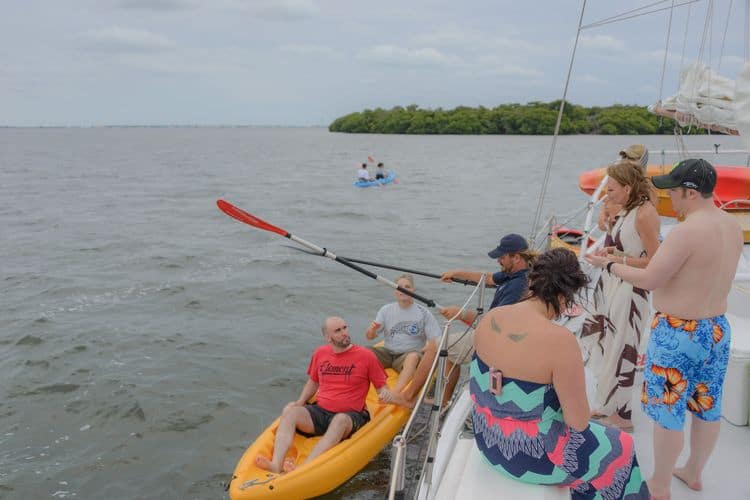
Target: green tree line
[[533, 118]]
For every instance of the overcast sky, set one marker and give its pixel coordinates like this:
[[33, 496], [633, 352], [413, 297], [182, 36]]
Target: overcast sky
[[306, 62]]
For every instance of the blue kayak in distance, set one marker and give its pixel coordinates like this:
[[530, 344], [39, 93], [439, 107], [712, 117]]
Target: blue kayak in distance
[[378, 182]]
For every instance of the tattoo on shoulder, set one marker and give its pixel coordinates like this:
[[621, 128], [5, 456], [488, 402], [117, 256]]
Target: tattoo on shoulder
[[517, 337], [494, 325]]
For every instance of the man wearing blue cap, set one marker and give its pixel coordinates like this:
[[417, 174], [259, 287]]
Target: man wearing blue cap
[[514, 257]]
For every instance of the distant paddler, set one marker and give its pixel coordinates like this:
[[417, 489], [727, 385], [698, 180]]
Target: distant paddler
[[340, 372], [381, 172], [363, 175]]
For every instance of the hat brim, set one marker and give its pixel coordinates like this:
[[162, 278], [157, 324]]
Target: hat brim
[[664, 182], [496, 253]]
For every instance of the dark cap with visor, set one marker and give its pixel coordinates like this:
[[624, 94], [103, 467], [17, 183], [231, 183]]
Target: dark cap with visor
[[694, 173], [510, 243]]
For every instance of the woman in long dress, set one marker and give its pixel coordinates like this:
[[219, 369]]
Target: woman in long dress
[[617, 318]]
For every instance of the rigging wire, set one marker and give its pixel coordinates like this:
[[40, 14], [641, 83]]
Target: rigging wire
[[724, 37], [538, 214], [666, 53], [684, 40], [617, 17], [624, 16]]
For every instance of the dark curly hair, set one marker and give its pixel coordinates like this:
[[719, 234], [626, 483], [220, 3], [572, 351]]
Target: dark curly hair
[[556, 273]]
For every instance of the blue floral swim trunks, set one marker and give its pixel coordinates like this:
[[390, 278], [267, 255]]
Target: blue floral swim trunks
[[685, 365]]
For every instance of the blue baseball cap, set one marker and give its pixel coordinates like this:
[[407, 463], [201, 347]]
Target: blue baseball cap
[[510, 243]]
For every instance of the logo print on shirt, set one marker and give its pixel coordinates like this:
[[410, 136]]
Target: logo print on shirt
[[405, 328], [327, 368]]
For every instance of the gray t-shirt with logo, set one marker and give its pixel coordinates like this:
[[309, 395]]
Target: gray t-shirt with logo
[[407, 329]]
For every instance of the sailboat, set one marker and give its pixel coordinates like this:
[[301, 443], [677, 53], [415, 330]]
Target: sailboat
[[453, 466]]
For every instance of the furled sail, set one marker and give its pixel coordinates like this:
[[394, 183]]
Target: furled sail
[[704, 99], [742, 105]]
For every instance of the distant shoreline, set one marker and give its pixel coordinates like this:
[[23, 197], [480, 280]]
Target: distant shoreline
[[157, 126], [533, 118]]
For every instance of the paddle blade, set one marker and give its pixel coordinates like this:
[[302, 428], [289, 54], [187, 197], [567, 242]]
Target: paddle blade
[[242, 216], [371, 159]]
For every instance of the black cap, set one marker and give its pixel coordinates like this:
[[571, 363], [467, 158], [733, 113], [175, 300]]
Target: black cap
[[510, 243], [694, 173]]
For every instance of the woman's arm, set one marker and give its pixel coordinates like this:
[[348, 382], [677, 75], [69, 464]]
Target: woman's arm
[[672, 254], [569, 381], [647, 226]]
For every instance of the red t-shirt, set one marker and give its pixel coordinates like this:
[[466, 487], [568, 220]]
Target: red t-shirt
[[344, 378]]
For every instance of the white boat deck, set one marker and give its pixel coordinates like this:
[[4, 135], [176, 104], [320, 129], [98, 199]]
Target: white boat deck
[[727, 474], [458, 469]]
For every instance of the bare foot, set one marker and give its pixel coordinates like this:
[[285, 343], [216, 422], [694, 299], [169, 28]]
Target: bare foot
[[657, 496], [288, 465], [681, 474], [265, 464]]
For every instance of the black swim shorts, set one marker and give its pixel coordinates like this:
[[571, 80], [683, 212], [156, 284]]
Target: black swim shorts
[[322, 419]]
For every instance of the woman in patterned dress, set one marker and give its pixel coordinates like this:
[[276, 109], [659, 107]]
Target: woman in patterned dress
[[530, 410], [618, 315]]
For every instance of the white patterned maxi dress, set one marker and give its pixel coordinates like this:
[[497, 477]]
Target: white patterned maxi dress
[[615, 324]]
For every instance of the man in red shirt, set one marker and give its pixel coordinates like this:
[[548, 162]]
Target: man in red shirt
[[341, 373]]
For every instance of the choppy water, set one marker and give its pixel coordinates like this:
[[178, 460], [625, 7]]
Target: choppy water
[[146, 338]]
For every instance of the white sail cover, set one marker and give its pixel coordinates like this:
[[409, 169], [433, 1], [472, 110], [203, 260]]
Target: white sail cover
[[742, 105], [704, 98]]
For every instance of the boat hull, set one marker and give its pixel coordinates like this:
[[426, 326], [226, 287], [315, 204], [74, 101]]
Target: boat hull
[[565, 237], [391, 177], [733, 184], [326, 472]]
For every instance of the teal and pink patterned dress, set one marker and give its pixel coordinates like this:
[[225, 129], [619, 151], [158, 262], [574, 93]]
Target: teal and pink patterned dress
[[522, 434]]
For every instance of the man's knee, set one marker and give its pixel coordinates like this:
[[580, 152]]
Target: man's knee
[[340, 423], [412, 358], [296, 414]]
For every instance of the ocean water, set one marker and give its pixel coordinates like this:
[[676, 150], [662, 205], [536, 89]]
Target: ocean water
[[146, 338]]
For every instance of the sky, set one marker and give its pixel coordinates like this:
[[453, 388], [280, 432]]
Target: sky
[[307, 62]]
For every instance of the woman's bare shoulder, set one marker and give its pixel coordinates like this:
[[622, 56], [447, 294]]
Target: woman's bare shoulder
[[646, 210], [561, 337]]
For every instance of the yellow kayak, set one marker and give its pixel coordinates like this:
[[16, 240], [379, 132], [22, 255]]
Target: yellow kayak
[[330, 469]]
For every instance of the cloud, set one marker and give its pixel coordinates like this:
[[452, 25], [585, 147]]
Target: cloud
[[309, 50], [497, 65], [399, 56], [587, 78], [117, 39], [601, 42], [478, 41], [195, 63], [273, 10], [156, 5]]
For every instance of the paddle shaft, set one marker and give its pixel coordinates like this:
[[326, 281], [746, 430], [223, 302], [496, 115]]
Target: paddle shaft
[[395, 268], [242, 216]]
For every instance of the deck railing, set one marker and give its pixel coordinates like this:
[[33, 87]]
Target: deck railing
[[396, 488]]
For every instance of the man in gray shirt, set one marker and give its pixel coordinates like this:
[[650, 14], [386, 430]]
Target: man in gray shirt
[[406, 327]]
